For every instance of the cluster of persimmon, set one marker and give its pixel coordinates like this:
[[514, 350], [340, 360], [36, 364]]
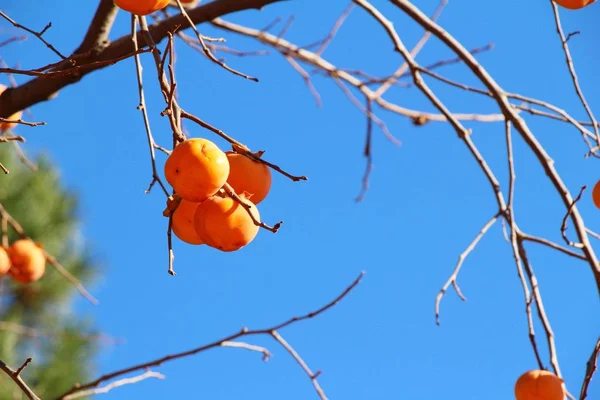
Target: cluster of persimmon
[[145, 7], [574, 4], [23, 260], [204, 179], [4, 126], [539, 385]]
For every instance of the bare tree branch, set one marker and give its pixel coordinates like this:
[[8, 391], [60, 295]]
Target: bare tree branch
[[520, 125], [589, 371], [16, 377], [305, 56], [219, 343], [41, 89]]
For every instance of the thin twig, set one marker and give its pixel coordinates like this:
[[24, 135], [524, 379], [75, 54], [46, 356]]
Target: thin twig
[[12, 40], [286, 27], [250, 347], [382, 125], [334, 30], [171, 270], [313, 376], [306, 77], [4, 231], [195, 44], [248, 207], [21, 122], [21, 154], [68, 276], [4, 139], [552, 245], [461, 259], [563, 225], [121, 382], [368, 153]]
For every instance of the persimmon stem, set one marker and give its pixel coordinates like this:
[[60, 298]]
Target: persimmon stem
[[231, 193]]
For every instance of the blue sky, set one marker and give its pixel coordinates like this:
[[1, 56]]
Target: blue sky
[[427, 200]]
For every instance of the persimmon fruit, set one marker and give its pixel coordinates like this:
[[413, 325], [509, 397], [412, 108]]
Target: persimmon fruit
[[224, 224], [596, 194], [28, 261], [539, 385], [4, 262], [197, 169], [183, 222], [4, 126], [574, 4], [141, 7], [250, 176]]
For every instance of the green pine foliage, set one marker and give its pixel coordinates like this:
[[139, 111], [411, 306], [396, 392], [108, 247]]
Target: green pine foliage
[[60, 343]]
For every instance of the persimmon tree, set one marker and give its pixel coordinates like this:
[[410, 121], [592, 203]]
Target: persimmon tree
[[162, 30]]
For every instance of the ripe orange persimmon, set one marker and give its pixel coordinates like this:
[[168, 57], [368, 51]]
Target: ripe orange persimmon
[[183, 222], [4, 262], [539, 385], [574, 4], [596, 194], [4, 126], [141, 7], [247, 175], [28, 261], [197, 169], [225, 224]]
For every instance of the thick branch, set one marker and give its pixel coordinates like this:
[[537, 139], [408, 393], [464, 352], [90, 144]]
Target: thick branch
[[97, 35], [42, 89]]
